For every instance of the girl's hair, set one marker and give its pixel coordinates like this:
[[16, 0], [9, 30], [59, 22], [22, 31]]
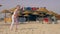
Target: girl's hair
[[17, 6]]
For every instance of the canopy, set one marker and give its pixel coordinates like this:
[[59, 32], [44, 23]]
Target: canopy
[[42, 9], [26, 12], [6, 11]]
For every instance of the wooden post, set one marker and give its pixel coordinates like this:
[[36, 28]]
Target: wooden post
[[5, 17]]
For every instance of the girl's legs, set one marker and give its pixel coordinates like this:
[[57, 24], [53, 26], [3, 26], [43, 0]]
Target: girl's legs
[[16, 21], [12, 23], [16, 26]]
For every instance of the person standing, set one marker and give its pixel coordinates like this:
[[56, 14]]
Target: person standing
[[15, 17]]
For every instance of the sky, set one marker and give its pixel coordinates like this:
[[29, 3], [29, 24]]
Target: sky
[[52, 5]]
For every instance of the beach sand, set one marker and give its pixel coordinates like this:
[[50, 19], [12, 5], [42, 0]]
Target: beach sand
[[30, 28]]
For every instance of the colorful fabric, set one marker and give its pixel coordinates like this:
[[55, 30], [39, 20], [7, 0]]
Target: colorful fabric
[[46, 19], [34, 8]]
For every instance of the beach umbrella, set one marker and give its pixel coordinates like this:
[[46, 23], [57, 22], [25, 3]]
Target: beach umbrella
[[26, 14], [12, 9], [36, 14], [52, 13], [5, 11], [42, 14], [42, 9], [47, 15]]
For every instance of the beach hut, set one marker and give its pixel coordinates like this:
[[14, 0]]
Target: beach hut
[[53, 16], [42, 12], [48, 16], [41, 15], [42, 9], [36, 14], [52, 13], [26, 14]]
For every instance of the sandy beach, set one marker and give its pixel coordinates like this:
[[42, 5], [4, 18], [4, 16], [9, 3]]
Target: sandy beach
[[31, 28], [34, 16]]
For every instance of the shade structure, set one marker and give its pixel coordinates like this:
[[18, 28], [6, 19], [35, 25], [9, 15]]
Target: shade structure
[[35, 13], [12, 9], [52, 13], [42, 15], [42, 9], [27, 12], [27, 17], [47, 15], [5, 11]]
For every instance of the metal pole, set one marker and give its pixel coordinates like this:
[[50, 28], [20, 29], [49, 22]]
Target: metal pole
[[42, 19], [5, 17]]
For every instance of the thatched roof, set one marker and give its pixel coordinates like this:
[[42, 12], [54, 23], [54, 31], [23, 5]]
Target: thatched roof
[[35, 13], [6, 11], [12, 9], [27, 12], [58, 17], [52, 13], [43, 9]]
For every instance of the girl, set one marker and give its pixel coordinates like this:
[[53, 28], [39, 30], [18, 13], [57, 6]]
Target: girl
[[15, 17]]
